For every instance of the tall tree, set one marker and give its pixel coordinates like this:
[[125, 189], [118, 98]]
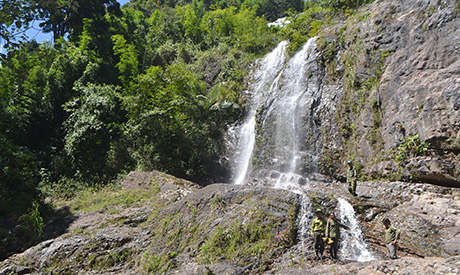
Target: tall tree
[[66, 16]]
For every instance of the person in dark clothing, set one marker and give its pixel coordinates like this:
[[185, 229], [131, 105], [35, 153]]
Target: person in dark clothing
[[351, 178]]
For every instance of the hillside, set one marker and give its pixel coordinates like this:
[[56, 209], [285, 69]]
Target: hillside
[[157, 224], [187, 90]]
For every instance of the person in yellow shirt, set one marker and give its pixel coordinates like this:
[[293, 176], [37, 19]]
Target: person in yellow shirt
[[317, 231]]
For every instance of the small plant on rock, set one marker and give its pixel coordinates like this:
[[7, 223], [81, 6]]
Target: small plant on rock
[[30, 226], [285, 236], [412, 146]]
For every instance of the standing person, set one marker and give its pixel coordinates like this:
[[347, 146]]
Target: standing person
[[391, 238], [317, 232], [351, 178], [333, 233]]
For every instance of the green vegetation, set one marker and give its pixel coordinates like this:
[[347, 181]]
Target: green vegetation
[[412, 146], [129, 89], [110, 196], [374, 133], [152, 85], [253, 232], [30, 226], [253, 238], [108, 259], [28, 230], [157, 264]]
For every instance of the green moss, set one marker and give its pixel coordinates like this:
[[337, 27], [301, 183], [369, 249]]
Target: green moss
[[254, 238], [326, 164], [157, 264], [109, 258], [374, 134]]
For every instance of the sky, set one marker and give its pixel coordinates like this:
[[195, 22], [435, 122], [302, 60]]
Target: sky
[[35, 32]]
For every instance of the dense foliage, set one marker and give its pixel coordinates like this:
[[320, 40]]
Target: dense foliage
[[150, 86]]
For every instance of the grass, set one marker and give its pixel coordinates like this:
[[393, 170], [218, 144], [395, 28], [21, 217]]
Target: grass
[[107, 197], [157, 264]]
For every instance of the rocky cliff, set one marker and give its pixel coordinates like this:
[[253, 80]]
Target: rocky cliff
[[391, 81], [159, 224]]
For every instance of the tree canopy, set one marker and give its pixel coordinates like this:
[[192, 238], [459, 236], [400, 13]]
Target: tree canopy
[[153, 85]]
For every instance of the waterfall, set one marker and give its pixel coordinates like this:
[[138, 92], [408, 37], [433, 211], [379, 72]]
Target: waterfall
[[268, 69], [285, 108], [352, 244], [245, 146], [283, 97], [305, 215], [280, 96]]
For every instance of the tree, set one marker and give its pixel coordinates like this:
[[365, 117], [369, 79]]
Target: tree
[[172, 125], [15, 17], [190, 16], [338, 4], [274, 9], [129, 64], [66, 16], [92, 126], [23, 125]]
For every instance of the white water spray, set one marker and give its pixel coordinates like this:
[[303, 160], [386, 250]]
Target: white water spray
[[268, 69], [352, 243]]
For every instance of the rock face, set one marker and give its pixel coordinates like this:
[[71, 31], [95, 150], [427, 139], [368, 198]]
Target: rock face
[[387, 96], [182, 227], [245, 229], [397, 67], [380, 87]]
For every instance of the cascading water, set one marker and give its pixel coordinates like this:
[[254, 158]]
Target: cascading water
[[268, 69], [283, 126], [352, 244], [304, 221], [282, 98]]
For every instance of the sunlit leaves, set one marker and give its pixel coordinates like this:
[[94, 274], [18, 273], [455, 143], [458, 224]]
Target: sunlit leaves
[[15, 16], [92, 125], [128, 64]]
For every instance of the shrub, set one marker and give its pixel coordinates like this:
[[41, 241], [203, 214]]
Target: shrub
[[412, 146]]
